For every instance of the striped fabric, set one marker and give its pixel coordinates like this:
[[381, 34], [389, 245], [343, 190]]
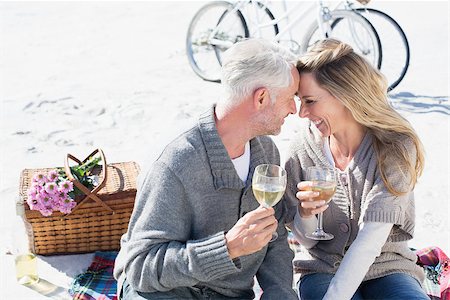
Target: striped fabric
[[97, 283]]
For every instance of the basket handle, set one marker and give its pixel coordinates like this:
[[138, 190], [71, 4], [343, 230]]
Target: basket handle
[[89, 194]]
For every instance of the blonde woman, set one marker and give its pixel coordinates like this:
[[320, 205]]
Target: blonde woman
[[377, 157]]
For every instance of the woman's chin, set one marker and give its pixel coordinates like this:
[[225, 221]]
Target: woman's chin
[[322, 130]]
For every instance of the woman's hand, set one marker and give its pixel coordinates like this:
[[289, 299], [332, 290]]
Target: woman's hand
[[308, 206]]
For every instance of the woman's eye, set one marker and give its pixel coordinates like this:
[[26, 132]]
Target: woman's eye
[[309, 101]]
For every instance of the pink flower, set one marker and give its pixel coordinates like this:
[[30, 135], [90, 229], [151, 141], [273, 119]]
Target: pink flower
[[33, 203], [52, 175], [61, 196], [44, 198], [67, 205], [32, 192], [45, 211], [40, 178], [36, 185], [51, 188], [65, 186]]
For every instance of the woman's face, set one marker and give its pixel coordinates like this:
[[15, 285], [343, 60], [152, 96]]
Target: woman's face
[[326, 112]]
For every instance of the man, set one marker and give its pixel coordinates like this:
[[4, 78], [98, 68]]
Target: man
[[197, 231]]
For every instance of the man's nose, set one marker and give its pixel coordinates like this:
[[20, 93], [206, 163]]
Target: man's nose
[[303, 111], [293, 108]]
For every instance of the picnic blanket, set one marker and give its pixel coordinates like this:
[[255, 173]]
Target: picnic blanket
[[437, 269], [97, 283]]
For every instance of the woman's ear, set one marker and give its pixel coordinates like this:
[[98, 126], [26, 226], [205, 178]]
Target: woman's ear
[[261, 97]]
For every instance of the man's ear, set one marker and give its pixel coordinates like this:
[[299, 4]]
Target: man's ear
[[261, 97]]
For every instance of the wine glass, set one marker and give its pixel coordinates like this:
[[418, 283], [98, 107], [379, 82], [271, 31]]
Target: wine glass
[[269, 184], [324, 182]]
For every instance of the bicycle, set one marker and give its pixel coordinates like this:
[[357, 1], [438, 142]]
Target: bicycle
[[395, 45], [395, 51], [217, 25]]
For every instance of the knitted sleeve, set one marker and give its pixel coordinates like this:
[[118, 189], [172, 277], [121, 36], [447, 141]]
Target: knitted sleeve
[[382, 206]]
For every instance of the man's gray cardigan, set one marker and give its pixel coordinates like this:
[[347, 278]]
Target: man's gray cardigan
[[187, 202]]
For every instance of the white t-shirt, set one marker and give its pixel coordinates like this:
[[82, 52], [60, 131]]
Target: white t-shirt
[[242, 163]]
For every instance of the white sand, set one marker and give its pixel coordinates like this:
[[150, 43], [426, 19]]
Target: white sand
[[75, 76]]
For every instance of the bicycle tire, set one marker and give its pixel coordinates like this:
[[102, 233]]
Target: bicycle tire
[[243, 11], [249, 15], [372, 52], [395, 45], [271, 16], [202, 54]]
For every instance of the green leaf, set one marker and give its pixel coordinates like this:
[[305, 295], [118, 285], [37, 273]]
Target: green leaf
[[82, 173]]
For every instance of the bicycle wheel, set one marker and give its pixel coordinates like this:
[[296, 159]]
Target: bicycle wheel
[[350, 28], [259, 19], [213, 29], [253, 18], [396, 52]]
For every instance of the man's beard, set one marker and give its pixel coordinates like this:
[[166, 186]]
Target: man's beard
[[268, 123]]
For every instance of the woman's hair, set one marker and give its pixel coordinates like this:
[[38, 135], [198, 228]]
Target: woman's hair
[[255, 63], [363, 90]]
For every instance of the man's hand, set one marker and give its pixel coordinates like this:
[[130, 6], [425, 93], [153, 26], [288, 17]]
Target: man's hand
[[252, 232]]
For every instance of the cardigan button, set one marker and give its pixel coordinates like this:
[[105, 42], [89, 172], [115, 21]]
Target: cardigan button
[[343, 227], [344, 179]]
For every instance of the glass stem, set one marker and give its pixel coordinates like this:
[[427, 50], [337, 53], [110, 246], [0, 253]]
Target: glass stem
[[320, 222]]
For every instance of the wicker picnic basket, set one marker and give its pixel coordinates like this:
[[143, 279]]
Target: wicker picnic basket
[[98, 220]]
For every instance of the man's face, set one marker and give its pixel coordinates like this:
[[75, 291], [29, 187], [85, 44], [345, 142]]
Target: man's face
[[284, 106]]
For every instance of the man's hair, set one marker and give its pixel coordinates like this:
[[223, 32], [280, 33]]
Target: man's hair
[[256, 63]]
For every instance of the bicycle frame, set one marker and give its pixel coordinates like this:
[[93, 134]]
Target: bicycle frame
[[322, 14], [284, 16]]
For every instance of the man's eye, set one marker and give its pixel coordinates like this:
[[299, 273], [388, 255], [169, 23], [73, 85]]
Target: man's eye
[[309, 101]]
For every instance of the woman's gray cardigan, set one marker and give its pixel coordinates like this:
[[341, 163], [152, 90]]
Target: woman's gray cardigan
[[361, 196]]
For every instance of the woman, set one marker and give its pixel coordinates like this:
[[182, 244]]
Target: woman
[[377, 158]]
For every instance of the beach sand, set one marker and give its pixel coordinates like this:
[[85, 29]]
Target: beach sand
[[80, 75]]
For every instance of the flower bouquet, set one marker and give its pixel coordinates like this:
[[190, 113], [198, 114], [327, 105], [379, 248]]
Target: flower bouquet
[[55, 192]]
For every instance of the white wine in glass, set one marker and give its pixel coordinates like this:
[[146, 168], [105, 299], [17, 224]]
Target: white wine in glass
[[324, 182], [269, 184]]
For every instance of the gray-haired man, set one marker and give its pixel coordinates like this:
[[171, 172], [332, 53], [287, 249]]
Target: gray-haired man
[[197, 231]]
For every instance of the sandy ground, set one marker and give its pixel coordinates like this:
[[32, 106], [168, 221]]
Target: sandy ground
[[79, 75]]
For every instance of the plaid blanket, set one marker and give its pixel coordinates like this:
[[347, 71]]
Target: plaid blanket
[[97, 283], [437, 269]]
